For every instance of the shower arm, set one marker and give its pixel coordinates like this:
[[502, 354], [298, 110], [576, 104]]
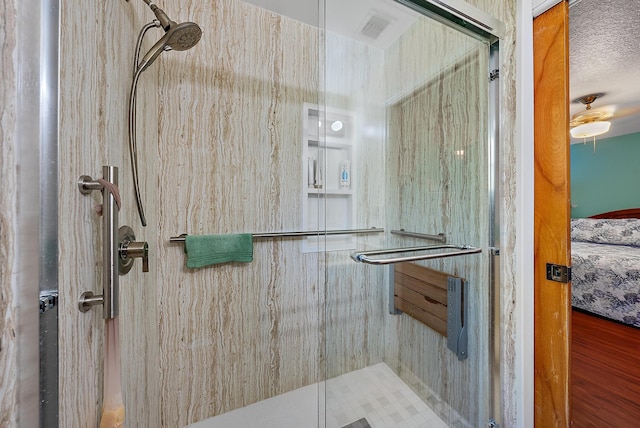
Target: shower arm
[[133, 147]]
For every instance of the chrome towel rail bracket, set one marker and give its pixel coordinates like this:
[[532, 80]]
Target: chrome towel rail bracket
[[440, 237]]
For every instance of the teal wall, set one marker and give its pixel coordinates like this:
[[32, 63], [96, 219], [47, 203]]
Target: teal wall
[[606, 179]]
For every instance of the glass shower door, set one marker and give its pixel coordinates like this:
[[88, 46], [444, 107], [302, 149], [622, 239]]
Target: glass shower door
[[409, 343]]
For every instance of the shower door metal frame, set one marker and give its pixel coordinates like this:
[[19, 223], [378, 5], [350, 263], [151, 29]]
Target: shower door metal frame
[[26, 244], [496, 404], [48, 148], [36, 232], [475, 23]]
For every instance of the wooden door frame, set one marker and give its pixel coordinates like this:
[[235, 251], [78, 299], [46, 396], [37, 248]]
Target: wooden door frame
[[552, 300]]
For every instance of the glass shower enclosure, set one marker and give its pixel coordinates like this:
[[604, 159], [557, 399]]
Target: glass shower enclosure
[[371, 127], [396, 173], [409, 320]]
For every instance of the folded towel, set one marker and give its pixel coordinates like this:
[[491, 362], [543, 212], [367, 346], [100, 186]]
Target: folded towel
[[206, 250]]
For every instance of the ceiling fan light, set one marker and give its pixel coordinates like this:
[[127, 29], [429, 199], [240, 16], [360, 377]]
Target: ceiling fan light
[[590, 129]]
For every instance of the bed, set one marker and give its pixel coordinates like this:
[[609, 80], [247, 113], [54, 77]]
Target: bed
[[605, 328], [605, 259]]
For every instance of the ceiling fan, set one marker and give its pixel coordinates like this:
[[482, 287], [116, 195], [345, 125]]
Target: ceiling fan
[[594, 122], [589, 123]]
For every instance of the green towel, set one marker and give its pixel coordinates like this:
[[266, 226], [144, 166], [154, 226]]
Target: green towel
[[206, 250]]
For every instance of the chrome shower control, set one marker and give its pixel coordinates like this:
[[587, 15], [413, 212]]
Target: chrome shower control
[[137, 250], [129, 249]]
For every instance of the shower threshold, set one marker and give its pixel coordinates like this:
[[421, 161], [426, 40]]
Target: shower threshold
[[375, 393]]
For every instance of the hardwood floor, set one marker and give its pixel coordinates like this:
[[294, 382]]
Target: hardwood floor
[[605, 373]]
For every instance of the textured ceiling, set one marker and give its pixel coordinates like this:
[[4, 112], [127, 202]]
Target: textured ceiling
[[604, 56]]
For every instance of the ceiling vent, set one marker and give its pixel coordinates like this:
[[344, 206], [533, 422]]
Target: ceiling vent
[[374, 26]]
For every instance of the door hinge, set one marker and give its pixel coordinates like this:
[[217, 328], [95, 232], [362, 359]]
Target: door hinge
[[558, 273], [494, 74]]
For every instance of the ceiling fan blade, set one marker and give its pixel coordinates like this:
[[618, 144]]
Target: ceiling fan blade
[[626, 111], [602, 113], [591, 116]]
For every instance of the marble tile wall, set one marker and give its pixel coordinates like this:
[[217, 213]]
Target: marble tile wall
[[8, 176], [96, 52], [230, 114]]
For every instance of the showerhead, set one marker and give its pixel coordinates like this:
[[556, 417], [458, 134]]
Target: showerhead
[[183, 36], [178, 37]]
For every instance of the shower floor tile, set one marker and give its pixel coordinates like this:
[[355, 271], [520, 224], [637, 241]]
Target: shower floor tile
[[375, 393]]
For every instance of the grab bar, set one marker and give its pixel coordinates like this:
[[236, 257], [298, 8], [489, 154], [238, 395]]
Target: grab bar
[[110, 207], [363, 256], [440, 237], [297, 234]]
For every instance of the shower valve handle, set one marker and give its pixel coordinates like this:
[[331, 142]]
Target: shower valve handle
[[131, 249], [137, 250]]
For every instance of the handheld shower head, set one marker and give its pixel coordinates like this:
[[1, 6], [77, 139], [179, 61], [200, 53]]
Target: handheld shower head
[[179, 37]]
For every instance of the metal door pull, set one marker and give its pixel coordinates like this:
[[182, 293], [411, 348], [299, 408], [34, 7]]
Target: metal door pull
[[365, 256]]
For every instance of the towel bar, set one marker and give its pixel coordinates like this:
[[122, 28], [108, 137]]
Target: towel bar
[[363, 256], [298, 234], [440, 237]]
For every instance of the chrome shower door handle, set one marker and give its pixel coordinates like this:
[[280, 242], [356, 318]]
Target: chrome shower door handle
[[366, 256]]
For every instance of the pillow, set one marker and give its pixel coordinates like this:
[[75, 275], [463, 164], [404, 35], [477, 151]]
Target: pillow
[[625, 231]]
